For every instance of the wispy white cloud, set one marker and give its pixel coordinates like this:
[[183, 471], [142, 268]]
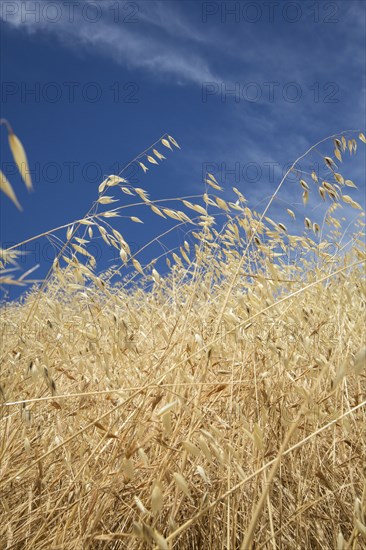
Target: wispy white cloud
[[173, 22], [139, 45]]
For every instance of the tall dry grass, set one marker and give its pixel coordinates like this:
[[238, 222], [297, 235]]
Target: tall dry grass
[[221, 405]]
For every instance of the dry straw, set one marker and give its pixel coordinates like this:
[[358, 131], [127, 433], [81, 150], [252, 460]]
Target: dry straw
[[216, 404]]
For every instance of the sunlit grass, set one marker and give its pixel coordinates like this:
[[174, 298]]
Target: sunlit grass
[[220, 404]]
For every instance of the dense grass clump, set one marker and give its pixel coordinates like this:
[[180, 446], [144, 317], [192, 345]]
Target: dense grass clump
[[220, 405]]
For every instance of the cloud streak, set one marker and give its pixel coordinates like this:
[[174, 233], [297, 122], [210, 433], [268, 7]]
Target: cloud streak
[[140, 43]]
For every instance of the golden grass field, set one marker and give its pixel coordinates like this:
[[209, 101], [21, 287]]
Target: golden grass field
[[220, 406]]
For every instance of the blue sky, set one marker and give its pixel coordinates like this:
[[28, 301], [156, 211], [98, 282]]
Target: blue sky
[[244, 87]]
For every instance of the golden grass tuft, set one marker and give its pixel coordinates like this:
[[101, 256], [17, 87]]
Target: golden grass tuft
[[221, 405]]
